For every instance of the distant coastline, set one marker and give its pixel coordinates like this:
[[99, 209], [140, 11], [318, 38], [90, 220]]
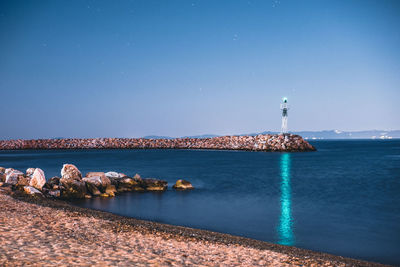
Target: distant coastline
[[314, 135]]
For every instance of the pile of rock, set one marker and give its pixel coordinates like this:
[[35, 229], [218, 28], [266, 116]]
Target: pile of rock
[[71, 184], [268, 142], [32, 181]]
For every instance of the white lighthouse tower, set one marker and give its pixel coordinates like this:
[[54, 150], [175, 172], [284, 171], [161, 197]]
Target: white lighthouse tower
[[284, 108]]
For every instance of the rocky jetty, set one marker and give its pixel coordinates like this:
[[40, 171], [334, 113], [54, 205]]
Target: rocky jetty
[[288, 142], [72, 184]]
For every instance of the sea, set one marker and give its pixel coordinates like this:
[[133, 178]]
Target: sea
[[342, 199]]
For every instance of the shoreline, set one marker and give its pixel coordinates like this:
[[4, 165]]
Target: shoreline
[[117, 224]]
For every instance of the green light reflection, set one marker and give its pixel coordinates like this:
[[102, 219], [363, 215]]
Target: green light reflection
[[285, 230]]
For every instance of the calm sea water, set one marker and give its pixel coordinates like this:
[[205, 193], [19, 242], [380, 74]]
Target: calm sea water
[[343, 199]]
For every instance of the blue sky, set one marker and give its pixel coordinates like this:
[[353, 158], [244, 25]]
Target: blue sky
[[135, 68]]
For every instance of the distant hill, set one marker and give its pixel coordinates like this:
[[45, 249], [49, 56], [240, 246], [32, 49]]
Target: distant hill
[[315, 135], [336, 134], [201, 136], [157, 137]]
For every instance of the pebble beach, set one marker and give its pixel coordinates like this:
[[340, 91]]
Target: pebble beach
[[44, 232]]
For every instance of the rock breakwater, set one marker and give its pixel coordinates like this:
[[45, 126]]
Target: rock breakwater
[[72, 184], [266, 142]]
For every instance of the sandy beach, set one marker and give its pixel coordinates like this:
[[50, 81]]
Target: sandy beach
[[39, 232]]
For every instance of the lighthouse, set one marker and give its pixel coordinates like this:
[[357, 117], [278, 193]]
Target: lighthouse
[[284, 108]]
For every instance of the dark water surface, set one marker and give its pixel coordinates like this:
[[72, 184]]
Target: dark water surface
[[343, 199]]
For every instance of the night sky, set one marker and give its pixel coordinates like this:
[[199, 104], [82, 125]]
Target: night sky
[[136, 68]]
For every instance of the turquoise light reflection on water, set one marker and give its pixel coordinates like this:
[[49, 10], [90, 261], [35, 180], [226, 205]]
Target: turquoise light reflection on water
[[285, 229]]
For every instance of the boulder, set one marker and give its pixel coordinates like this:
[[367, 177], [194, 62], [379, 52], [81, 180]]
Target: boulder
[[8, 171], [71, 184], [91, 174], [13, 176], [114, 175], [2, 177], [114, 181], [70, 172], [99, 179], [151, 184], [38, 179], [2, 170], [30, 171], [32, 191], [128, 184], [72, 188], [23, 180], [182, 185], [110, 190], [54, 193], [6, 188], [53, 183], [92, 189]]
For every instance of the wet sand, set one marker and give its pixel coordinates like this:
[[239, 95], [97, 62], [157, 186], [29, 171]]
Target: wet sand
[[35, 231]]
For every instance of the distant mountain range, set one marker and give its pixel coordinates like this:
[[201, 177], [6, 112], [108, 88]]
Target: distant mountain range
[[314, 135], [169, 137]]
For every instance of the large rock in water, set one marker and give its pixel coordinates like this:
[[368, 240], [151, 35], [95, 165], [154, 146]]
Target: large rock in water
[[182, 185], [38, 179], [93, 189], [70, 172], [98, 179], [71, 184], [109, 192], [73, 189], [127, 184], [152, 184]]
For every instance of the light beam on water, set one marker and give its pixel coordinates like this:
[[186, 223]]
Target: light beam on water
[[285, 229]]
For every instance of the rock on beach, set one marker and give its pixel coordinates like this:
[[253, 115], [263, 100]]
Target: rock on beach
[[2, 175], [13, 177], [38, 179], [32, 191]]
